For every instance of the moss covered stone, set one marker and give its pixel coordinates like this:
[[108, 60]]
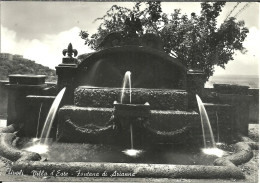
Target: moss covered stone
[[10, 152], [161, 121], [157, 98], [165, 120]]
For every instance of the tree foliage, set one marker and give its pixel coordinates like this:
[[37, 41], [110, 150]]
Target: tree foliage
[[196, 40]]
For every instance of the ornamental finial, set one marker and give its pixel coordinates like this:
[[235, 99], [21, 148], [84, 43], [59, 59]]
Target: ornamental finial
[[70, 51]]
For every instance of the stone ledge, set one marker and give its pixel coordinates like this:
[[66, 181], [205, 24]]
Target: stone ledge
[[165, 120], [40, 99], [24, 79], [157, 98], [138, 170]]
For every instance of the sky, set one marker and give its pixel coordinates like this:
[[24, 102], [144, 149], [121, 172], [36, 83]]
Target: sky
[[41, 30]]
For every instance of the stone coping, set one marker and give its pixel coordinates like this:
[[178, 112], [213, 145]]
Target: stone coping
[[29, 162], [27, 79], [105, 109], [38, 98], [25, 86], [216, 105], [136, 89], [2, 82], [27, 76], [51, 83], [131, 169]]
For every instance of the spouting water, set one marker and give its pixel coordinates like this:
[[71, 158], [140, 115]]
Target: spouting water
[[217, 128], [126, 84], [38, 148], [208, 137], [50, 117], [38, 124], [41, 146]]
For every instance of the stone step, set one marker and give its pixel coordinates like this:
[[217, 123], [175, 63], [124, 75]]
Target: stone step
[[163, 99], [162, 120]]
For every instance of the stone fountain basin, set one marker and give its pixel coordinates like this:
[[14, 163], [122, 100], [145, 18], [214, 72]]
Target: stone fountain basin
[[27, 162], [156, 154]]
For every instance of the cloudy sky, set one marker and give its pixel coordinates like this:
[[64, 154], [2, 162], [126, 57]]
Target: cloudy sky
[[41, 30]]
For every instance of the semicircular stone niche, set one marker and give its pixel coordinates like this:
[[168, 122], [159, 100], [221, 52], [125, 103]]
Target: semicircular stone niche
[[149, 68]]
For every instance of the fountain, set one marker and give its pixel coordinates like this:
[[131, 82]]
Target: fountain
[[208, 138], [218, 142], [127, 84], [38, 122], [50, 118], [156, 113], [42, 146]]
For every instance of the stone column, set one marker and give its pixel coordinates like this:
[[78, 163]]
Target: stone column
[[66, 74], [19, 87]]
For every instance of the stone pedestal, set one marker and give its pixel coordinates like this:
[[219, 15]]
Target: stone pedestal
[[18, 88], [66, 75], [66, 78]]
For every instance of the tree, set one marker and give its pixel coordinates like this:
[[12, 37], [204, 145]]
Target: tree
[[195, 40]]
